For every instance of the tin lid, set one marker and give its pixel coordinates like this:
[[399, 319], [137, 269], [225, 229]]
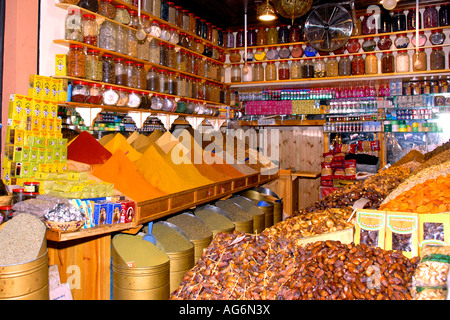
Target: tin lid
[[6, 208]]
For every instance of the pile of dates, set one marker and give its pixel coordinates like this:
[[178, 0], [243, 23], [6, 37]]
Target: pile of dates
[[269, 266], [375, 189]]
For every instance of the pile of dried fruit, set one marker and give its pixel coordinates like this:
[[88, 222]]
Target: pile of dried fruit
[[242, 266], [431, 196]]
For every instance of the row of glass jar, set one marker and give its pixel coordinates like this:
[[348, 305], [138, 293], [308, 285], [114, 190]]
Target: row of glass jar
[[346, 66], [106, 68], [165, 10], [84, 92]]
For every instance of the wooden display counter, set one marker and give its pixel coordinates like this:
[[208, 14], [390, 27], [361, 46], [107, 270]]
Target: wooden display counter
[[84, 257]]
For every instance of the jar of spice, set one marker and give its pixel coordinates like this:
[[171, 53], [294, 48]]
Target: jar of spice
[[110, 96], [260, 55], [387, 62], [181, 85], [73, 25], [130, 71], [385, 22], [283, 71], [271, 71], [143, 50], [402, 61], [93, 65], [146, 24], [369, 44], [123, 97], [437, 37], [122, 40], [186, 20], [258, 72], [247, 73], [332, 67], [371, 64], [17, 195], [134, 19], [422, 39], [156, 102], [398, 21], [296, 69], [308, 69], [153, 80], [284, 52], [165, 32], [154, 52], [295, 33], [319, 67], [174, 36], [444, 15], [80, 92], [251, 37], [95, 93], [6, 213], [283, 34], [240, 40], [134, 99], [156, 9], [261, 37], [155, 29], [401, 41], [141, 76], [411, 19], [235, 72], [384, 43], [430, 17], [437, 58], [358, 65], [353, 46], [171, 56], [272, 35], [419, 61], [345, 66], [122, 15], [357, 30], [107, 35], [230, 40], [368, 24], [76, 61], [272, 53], [297, 51], [90, 29]]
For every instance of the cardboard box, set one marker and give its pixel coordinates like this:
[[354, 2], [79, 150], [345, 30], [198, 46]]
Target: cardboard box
[[35, 88], [60, 65], [100, 212], [16, 110], [128, 209]]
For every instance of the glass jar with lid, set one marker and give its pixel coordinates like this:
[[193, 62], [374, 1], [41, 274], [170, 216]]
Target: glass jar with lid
[[215, 35], [189, 62], [199, 65], [345, 66], [181, 60], [76, 61], [155, 29], [261, 36], [165, 32], [152, 77], [430, 17], [178, 16], [181, 106], [134, 99], [271, 71], [272, 53], [208, 51], [134, 19], [108, 73], [120, 72], [385, 22], [251, 37], [296, 69], [419, 60], [401, 41], [229, 41], [332, 67], [162, 79], [240, 40], [283, 71], [130, 70], [107, 35], [208, 31], [199, 46], [90, 29], [156, 8], [295, 33], [422, 39], [398, 21], [208, 91], [73, 25], [357, 30], [235, 73], [186, 19], [437, 58], [283, 34], [384, 42], [141, 76], [143, 50], [444, 15], [122, 39], [156, 102], [284, 52], [146, 23], [437, 37], [258, 72], [402, 61], [171, 56], [297, 51], [123, 97], [200, 89], [93, 65], [208, 69], [353, 45], [95, 93], [194, 88], [132, 43], [358, 65], [368, 24], [164, 10], [411, 19], [80, 92], [272, 35], [198, 26], [319, 67], [110, 96], [371, 64], [247, 73], [181, 85], [369, 44], [308, 69], [174, 36], [145, 101], [387, 62], [122, 15], [154, 51]]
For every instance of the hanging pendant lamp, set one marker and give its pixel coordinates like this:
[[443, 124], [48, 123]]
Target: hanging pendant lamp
[[292, 9], [266, 12]]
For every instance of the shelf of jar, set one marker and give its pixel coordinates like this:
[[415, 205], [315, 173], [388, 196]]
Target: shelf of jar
[[380, 77], [278, 122], [65, 6], [171, 25], [146, 63], [151, 93], [352, 37], [339, 55], [126, 110]]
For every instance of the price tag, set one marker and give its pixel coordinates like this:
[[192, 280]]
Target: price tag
[[265, 122]]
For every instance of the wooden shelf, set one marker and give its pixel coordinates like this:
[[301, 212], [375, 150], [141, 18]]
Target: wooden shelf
[[140, 90], [160, 207], [380, 77], [254, 123], [146, 63]]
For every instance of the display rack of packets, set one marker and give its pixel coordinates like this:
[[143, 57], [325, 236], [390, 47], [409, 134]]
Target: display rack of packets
[[34, 142]]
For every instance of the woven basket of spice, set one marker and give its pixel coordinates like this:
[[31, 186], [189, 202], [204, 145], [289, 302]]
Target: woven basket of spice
[[62, 226]]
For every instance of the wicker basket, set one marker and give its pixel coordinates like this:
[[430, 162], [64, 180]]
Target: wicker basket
[[63, 227]]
